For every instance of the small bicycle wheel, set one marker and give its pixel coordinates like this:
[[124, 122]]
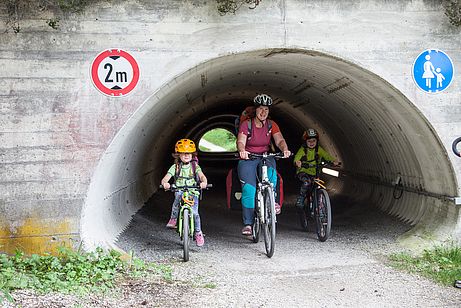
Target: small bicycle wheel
[[269, 225], [185, 234], [323, 215]]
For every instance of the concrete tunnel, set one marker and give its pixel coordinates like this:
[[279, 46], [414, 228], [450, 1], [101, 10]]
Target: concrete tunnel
[[390, 154]]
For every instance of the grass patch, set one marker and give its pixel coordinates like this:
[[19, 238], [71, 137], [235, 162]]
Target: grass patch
[[71, 271], [220, 137], [203, 282], [441, 264]]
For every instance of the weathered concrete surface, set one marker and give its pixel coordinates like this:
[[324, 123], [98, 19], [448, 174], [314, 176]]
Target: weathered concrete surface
[[343, 67]]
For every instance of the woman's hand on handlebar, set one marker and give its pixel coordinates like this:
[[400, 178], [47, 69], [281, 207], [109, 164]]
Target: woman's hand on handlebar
[[244, 154], [286, 153], [203, 185], [166, 185]]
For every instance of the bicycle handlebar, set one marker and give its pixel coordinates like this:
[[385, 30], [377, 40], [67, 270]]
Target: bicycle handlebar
[[454, 146], [321, 164], [266, 155], [173, 187]]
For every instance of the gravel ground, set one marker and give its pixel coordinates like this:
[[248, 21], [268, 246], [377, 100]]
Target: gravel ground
[[131, 293], [230, 271], [348, 270]]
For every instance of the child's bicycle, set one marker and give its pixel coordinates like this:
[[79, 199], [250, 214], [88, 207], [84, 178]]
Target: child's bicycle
[[265, 218], [186, 217], [317, 204]]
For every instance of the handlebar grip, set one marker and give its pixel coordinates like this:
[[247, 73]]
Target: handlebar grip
[[161, 187]]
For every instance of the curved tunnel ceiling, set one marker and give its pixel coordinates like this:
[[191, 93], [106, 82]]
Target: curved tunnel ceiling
[[374, 130]]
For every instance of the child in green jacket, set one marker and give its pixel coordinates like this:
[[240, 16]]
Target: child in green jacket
[[312, 153]]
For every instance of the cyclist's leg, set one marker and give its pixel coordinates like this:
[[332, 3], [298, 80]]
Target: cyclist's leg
[[198, 235], [174, 210], [247, 175], [304, 178], [197, 223]]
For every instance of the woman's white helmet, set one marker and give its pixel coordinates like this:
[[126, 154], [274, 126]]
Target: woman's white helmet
[[262, 100]]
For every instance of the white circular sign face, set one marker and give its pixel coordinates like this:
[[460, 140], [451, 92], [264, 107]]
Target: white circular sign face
[[114, 72]]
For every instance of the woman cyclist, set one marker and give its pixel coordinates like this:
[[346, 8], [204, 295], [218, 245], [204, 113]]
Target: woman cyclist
[[312, 153], [254, 136]]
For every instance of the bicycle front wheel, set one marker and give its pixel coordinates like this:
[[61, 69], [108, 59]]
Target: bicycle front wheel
[[185, 234], [323, 215], [269, 224]]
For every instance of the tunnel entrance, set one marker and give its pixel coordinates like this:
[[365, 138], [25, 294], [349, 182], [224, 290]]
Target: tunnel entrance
[[391, 156]]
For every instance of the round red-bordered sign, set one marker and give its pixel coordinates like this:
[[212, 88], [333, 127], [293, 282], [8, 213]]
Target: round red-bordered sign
[[114, 72]]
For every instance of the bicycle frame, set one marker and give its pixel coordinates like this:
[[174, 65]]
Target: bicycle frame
[[187, 202], [263, 183]]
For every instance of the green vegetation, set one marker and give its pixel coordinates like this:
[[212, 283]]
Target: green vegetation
[[220, 137], [231, 6], [21, 9], [71, 271], [441, 264], [203, 282]]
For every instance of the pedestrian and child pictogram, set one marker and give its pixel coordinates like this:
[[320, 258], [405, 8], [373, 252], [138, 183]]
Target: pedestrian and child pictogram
[[114, 72], [433, 71]]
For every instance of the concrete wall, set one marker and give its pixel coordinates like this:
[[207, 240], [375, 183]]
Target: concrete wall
[[55, 127]]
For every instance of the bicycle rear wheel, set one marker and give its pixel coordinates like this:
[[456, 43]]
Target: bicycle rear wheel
[[269, 225], [185, 234], [323, 215]]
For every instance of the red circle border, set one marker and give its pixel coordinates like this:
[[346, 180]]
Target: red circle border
[[98, 84]]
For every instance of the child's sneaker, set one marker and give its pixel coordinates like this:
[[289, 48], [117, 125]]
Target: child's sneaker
[[278, 208], [171, 223], [199, 239]]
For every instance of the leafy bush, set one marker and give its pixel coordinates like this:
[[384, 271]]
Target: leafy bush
[[70, 271]]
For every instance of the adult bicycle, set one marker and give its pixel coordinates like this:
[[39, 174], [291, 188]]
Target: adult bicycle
[[317, 204], [265, 217], [185, 220]]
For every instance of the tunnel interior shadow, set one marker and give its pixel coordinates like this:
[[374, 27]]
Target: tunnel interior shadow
[[148, 237]]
